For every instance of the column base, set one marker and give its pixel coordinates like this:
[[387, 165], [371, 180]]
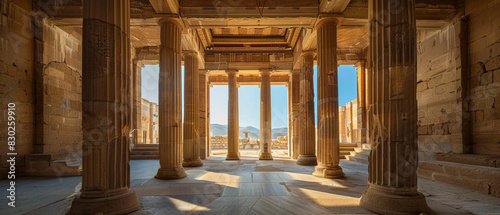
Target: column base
[[391, 200], [307, 160], [171, 173], [265, 156], [328, 172], [193, 162], [119, 204], [233, 156]]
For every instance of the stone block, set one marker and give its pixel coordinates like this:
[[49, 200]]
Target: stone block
[[486, 78]]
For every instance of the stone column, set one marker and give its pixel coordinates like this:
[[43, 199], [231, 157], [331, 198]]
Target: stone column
[[342, 125], [208, 85], [136, 108], [106, 110], [307, 134], [328, 101], [191, 111], [265, 115], [151, 123], [170, 101], [393, 160], [290, 125], [233, 129], [202, 125], [361, 73], [296, 111]]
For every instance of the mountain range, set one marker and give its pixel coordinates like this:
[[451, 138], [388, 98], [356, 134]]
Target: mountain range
[[221, 130]]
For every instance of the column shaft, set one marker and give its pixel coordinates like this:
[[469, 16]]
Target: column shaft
[[208, 119], [308, 131], [393, 159], [342, 125], [136, 106], [151, 124], [328, 101], [361, 74], [202, 128], [233, 129], [106, 96], [265, 116], [191, 112], [170, 101], [296, 111]]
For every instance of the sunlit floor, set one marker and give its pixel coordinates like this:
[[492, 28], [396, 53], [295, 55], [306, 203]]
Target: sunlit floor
[[248, 186]]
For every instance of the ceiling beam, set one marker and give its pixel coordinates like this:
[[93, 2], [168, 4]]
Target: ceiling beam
[[333, 6], [165, 6]]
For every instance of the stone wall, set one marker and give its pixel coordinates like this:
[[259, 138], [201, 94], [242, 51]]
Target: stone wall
[[17, 77], [442, 122], [459, 84], [58, 69], [484, 75]]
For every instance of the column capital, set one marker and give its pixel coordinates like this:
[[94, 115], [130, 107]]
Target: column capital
[[171, 20], [203, 71], [190, 53], [323, 19], [232, 71], [265, 72]]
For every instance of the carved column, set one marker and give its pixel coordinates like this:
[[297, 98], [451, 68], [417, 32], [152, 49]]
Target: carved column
[[296, 110], [191, 112], [307, 150], [208, 118], [233, 129], [136, 99], [170, 101], [393, 159], [265, 115], [151, 124], [290, 125], [106, 110], [361, 74], [342, 125], [202, 125], [328, 101]]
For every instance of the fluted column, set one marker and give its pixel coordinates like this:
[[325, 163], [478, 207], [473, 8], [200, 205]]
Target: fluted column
[[208, 118], [361, 74], [265, 115], [342, 125], [393, 160], [151, 124], [191, 112], [202, 125], [136, 101], [107, 109], [328, 101], [233, 128], [296, 110], [307, 150], [170, 101]]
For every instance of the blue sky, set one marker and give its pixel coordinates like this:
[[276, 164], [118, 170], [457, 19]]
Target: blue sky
[[249, 97]]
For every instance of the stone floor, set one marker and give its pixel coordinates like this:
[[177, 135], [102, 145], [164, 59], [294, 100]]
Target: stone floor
[[248, 186]]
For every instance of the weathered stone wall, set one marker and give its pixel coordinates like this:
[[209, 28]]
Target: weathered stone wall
[[484, 75], [440, 95], [17, 77], [58, 70], [459, 84]]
